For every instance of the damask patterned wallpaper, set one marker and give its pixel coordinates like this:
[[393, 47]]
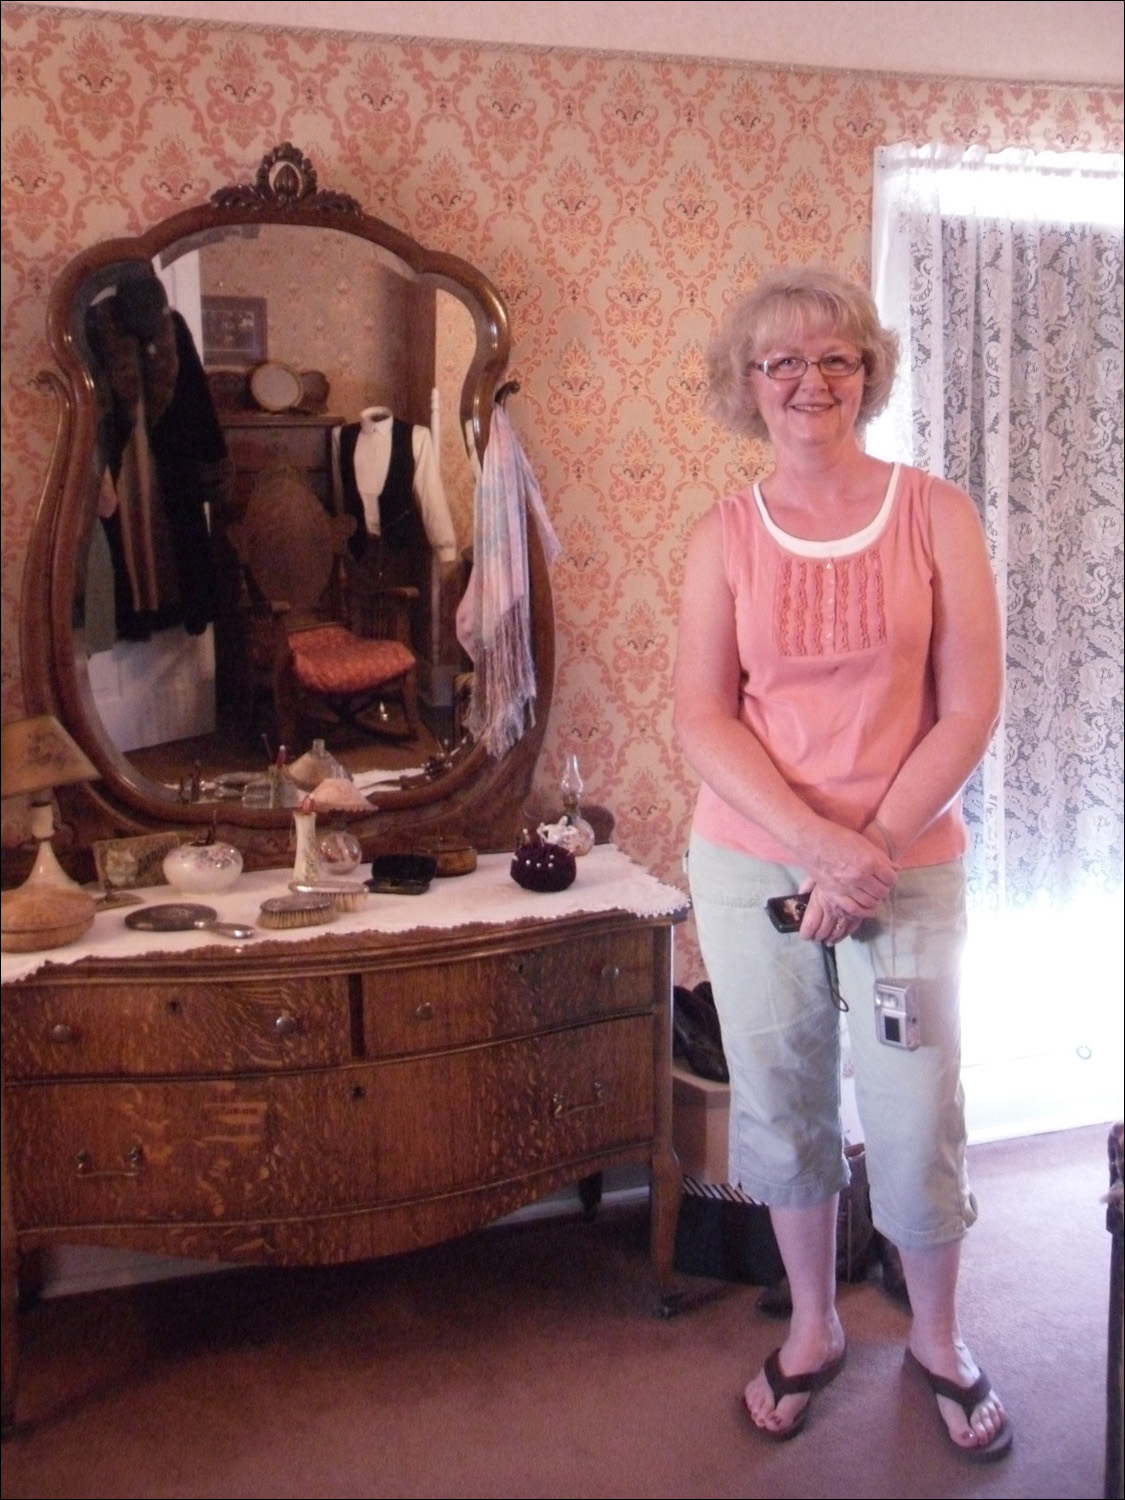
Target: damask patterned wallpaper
[[323, 312], [618, 202]]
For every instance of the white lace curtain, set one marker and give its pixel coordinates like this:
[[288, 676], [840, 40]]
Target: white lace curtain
[[1003, 275]]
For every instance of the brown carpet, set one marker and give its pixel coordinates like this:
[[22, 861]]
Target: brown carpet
[[525, 1361]]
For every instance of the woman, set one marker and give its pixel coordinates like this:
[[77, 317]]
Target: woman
[[838, 679]]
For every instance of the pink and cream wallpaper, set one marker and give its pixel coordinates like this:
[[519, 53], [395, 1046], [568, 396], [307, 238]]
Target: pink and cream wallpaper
[[618, 202]]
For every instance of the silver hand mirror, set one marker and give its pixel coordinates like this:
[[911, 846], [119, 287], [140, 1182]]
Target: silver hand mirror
[[184, 916]]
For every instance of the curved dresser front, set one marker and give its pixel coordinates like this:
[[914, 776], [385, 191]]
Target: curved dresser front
[[337, 1096]]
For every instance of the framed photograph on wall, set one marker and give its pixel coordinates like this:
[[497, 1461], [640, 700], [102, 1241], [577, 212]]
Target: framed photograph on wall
[[234, 331]]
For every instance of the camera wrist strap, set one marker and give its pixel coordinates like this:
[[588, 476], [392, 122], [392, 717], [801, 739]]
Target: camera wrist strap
[[832, 974]]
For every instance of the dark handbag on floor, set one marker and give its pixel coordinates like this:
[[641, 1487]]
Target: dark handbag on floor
[[696, 1037]]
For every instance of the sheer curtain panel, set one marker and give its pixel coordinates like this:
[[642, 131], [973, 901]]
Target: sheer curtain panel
[[1003, 276]]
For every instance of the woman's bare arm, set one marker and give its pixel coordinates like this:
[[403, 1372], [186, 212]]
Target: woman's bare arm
[[967, 657]]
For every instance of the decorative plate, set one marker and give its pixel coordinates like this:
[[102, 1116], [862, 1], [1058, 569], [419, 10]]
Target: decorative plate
[[275, 387]]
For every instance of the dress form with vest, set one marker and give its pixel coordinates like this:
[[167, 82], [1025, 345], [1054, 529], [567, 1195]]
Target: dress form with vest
[[384, 468]]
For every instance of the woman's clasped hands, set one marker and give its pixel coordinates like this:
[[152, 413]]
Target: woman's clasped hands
[[848, 879]]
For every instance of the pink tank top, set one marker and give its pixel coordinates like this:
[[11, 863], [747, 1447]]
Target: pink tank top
[[837, 684]]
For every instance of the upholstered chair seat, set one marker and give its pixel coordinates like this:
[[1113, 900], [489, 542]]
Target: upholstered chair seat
[[330, 660]]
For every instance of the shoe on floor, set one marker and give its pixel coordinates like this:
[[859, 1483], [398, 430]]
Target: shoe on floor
[[782, 1385], [968, 1398]]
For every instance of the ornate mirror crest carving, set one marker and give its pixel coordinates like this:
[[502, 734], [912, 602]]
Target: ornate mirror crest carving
[[285, 179]]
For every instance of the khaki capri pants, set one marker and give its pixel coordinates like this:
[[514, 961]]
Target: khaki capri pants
[[781, 1035]]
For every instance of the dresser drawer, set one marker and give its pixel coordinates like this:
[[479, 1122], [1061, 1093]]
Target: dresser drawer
[[513, 1107], [292, 1145], [76, 1030], [444, 1005]]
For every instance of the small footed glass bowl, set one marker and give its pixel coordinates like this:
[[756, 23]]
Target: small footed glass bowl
[[202, 869]]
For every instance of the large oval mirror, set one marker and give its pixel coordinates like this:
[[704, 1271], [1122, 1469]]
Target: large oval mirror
[[322, 340]]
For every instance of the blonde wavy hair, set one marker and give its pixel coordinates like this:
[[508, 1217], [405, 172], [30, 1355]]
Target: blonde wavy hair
[[783, 305]]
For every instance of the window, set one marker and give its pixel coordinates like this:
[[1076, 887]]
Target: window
[[1003, 276]]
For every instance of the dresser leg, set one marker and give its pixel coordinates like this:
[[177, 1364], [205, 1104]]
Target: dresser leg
[[667, 1191], [667, 1179]]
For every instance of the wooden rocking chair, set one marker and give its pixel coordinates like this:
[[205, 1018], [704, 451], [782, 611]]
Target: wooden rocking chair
[[303, 642]]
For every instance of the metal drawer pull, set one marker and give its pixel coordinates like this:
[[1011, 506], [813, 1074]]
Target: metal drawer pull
[[63, 1034], [560, 1108], [424, 1012], [611, 972], [83, 1163], [286, 1024]]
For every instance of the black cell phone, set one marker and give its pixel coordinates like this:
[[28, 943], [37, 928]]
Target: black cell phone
[[786, 912]]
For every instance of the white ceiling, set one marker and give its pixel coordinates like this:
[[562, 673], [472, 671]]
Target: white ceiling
[[1051, 41]]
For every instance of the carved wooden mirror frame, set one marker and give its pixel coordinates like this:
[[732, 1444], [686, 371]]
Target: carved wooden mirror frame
[[477, 798]]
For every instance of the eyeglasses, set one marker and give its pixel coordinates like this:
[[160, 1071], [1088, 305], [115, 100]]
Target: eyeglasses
[[793, 367]]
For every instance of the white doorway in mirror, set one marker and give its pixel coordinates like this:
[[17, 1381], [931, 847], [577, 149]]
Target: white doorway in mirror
[[150, 692]]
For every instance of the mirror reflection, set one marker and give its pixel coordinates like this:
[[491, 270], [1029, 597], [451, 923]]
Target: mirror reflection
[[331, 376]]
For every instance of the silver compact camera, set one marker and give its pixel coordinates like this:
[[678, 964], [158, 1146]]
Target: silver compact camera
[[896, 1013]]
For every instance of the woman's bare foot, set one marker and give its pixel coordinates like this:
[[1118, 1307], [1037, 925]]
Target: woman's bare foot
[[802, 1354], [937, 1355], [984, 1425]]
